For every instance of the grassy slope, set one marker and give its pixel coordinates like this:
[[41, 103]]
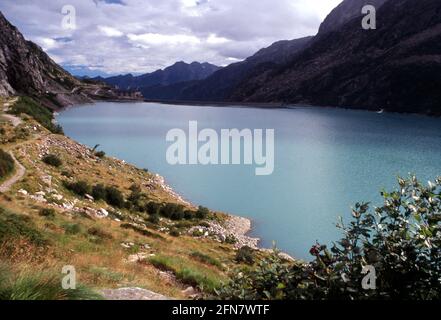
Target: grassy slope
[[100, 261]]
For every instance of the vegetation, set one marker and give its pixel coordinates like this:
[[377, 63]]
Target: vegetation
[[13, 227], [47, 212], [204, 258], [52, 160], [6, 164], [202, 213], [201, 278], [40, 113], [114, 197], [401, 240], [100, 154], [80, 188], [43, 285], [245, 255]]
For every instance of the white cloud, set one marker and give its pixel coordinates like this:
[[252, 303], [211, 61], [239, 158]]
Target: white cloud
[[110, 32], [140, 36]]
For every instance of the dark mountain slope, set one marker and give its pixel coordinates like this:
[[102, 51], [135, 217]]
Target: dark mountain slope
[[396, 67], [26, 69], [179, 72], [220, 85], [344, 12]]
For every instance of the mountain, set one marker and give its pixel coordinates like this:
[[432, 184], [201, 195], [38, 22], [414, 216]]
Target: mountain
[[220, 85], [179, 72], [26, 69], [396, 67], [344, 12]]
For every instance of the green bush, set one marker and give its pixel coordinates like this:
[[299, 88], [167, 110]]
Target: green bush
[[114, 197], [154, 218], [80, 188], [172, 211], [40, 113], [245, 255], [401, 240], [202, 213], [7, 164], [99, 192], [72, 228], [47, 213], [52, 160], [100, 154], [152, 208]]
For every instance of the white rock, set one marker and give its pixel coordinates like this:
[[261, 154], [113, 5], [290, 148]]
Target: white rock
[[89, 197], [58, 197], [102, 213], [23, 192]]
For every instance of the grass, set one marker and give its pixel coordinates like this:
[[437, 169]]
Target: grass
[[204, 258], [13, 226], [188, 273], [29, 284], [40, 113]]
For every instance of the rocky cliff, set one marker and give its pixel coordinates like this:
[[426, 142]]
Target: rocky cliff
[[396, 67]]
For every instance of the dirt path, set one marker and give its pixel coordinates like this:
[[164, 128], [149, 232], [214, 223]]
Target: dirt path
[[20, 171]]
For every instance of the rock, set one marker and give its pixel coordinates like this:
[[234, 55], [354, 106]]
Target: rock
[[89, 197], [40, 193], [102, 213], [190, 291], [23, 192], [137, 257], [47, 180], [132, 294], [58, 197]]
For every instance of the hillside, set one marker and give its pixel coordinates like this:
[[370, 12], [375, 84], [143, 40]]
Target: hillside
[[25, 69], [221, 84], [118, 225], [395, 67]]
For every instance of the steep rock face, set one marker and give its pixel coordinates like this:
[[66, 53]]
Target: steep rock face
[[396, 67], [220, 85], [179, 72], [346, 11], [26, 69]]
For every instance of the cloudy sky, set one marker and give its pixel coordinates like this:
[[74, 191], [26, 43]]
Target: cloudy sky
[[138, 36]]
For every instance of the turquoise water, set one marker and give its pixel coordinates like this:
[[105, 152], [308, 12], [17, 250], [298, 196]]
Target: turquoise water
[[325, 160]]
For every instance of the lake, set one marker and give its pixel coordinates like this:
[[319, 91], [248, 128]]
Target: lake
[[326, 160]]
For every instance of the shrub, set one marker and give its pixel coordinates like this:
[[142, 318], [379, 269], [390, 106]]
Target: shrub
[[175, 232], [172, 211], [47, 213], [142, 231], [154, 218], [72, 228], [80, 188], [99, 192], [114, 197], [152, 208], [245, 255], [101, 234], [7, 164], [100, 154], [189, 215], [52, 160], [400, 240], [202, 213]]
